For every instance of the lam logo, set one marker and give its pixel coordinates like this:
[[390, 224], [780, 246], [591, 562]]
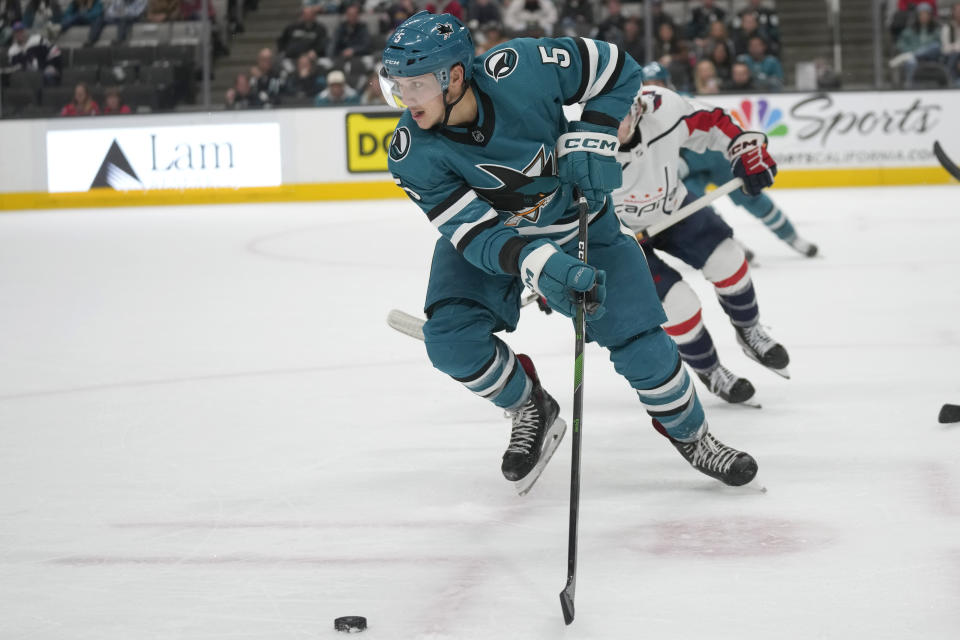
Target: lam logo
[[116, 172], [757, 115]]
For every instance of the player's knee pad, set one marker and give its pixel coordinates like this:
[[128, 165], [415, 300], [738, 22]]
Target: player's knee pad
[[459, 338], [646, 359], [682, 307], [727, 267]]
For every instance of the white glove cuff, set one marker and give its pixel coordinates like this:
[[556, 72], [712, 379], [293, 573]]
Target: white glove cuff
[[744, 143], [532, 265], [602, 143]]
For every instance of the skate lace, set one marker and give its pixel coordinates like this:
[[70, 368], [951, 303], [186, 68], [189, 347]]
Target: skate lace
[[526, 421], [710, 453], [758, 339], [721, 380]]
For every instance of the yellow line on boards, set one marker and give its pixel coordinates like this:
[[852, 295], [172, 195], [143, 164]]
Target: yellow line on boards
[[790, 179]]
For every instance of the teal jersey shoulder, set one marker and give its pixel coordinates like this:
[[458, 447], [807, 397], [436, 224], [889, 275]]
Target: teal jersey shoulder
[[494, 180]]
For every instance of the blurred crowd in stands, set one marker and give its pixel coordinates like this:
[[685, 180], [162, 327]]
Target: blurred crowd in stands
[[80, 57], [926, 44]]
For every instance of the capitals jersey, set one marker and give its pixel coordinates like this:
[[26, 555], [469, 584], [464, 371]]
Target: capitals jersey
[[492, 186], [651, 189]]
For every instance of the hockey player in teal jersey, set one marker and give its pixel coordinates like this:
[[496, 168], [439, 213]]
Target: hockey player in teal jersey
[[484, 149], [701, 169]]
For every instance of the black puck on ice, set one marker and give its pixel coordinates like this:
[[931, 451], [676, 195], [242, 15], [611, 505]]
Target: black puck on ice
[[350, 624], [949, 413]]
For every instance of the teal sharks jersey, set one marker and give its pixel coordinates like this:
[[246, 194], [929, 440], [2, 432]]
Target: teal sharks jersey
[[495, 180]]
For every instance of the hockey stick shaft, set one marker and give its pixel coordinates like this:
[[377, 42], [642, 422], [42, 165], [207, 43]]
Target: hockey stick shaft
[[569, 591], [690, 209], [949, 165]]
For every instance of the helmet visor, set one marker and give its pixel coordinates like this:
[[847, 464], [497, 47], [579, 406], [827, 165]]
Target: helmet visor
[[406, 92]]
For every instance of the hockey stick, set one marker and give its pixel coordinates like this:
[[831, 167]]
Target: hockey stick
[[412, 325], [690, 209], [569, 591], [945, 161]]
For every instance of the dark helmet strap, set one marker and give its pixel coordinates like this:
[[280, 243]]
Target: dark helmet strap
[[448, 108]]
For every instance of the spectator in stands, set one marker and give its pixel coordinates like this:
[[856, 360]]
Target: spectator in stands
[[490, 36], [611, 28], [34, 52], [722, 59], [372, 92], [530, 17], [193, 10], [483, 12], [122, 13], [306, 34], [306, 81], [241, 95], [705, 80], [717, 33], [910, 5], [10, 14], [266, 79], [338, 91], [400, 11], [660, 16], [672, 52], [701, 19], [113, 104], [43, 16], [633, 42], [740, 79], [765, 69], [950, 44], [667, 44], [352, 37], [767, 21], [749, 27], [920, 41], [82, 105], [81, 12], [453, 7], [163, 10], [576, 17]]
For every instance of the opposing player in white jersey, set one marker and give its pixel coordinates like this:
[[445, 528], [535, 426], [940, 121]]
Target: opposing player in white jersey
[[651, 136]]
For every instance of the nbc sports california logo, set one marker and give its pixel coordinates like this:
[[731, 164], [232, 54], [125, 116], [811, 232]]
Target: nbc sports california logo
[[757, 115]]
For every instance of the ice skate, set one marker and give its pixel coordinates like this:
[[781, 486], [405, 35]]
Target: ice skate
[[764, 349], [537, 431], [803, 246], [715, 459], [722, 382]]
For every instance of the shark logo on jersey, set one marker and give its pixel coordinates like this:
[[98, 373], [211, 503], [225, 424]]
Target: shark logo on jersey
[[445, 30], [501, 63], [400, 144], [522, 193]]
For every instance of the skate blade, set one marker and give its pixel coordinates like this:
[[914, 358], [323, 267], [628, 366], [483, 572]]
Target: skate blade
[[552, 439], [749, 402], [754, 486], [784, 373]]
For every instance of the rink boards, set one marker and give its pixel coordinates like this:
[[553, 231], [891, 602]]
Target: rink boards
[[818, 139]]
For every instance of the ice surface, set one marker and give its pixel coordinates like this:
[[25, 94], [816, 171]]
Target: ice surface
[[207, 430]]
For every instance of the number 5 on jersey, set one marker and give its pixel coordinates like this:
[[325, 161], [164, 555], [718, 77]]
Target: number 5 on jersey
[[554, 56]]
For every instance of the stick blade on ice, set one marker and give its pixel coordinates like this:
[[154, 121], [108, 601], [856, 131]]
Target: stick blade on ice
[[566, 603]]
